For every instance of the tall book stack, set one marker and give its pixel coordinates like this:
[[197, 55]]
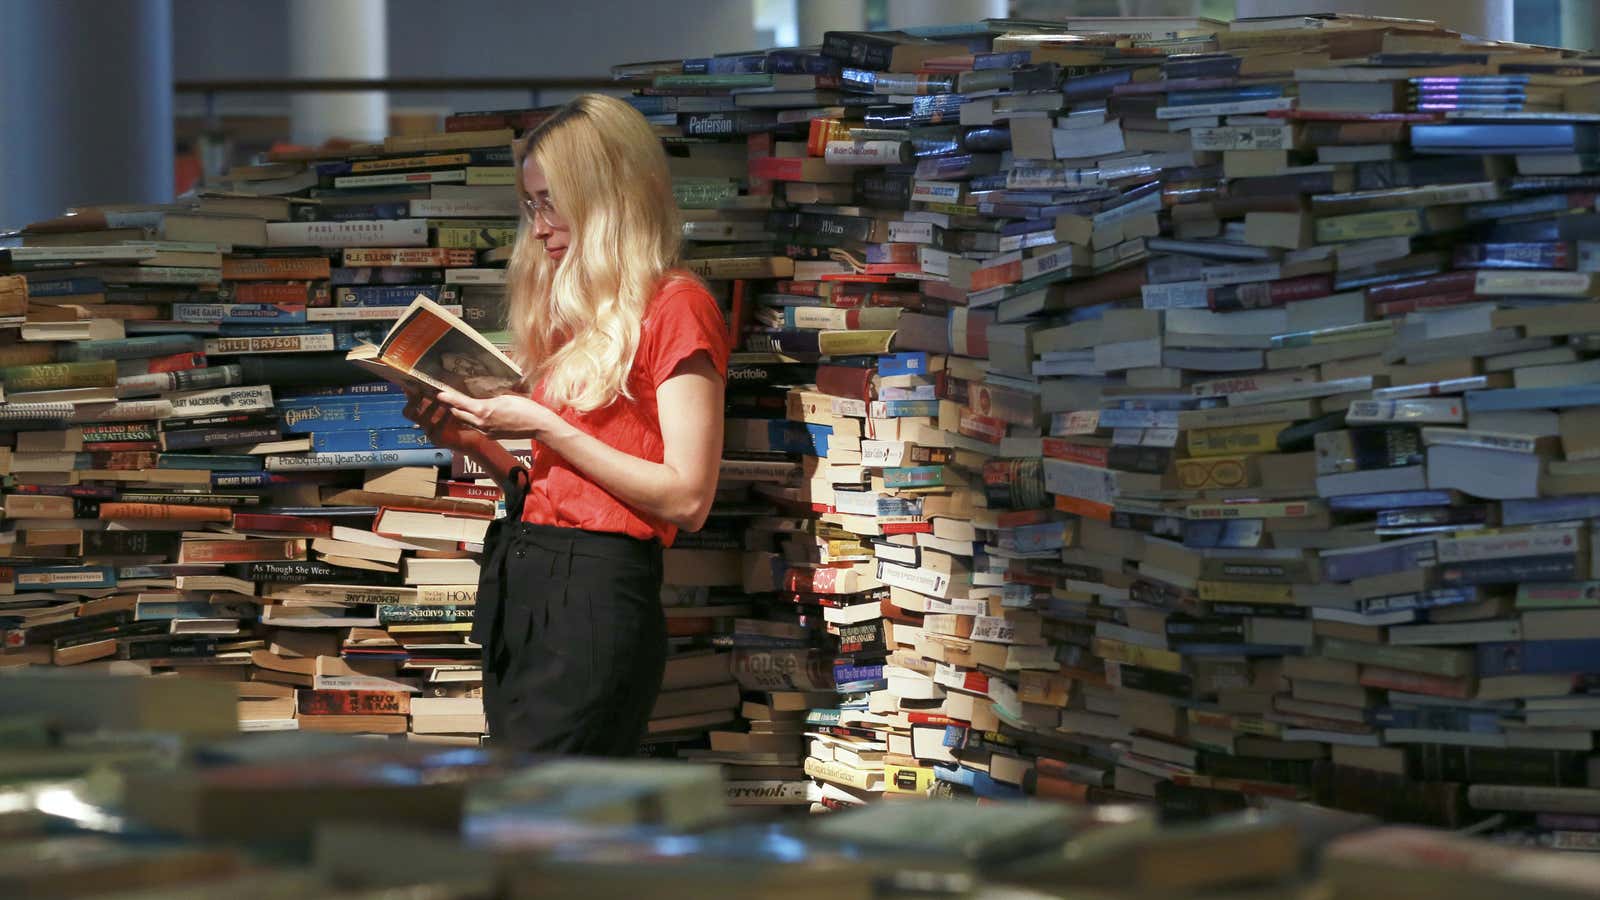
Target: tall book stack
[[1198, 412], [197, 481]]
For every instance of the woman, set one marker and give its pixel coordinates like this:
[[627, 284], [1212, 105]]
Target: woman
[[625, 358]]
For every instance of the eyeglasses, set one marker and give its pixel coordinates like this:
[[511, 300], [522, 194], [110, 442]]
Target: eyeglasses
[[537, 206]]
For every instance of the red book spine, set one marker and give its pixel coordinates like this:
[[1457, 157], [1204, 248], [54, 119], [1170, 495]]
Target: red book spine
[[908, 528], [1416, 682], [177, 362], [917, 718], [1057, 448], [845, 381], [801, 288], [466, 491], [1449, 282], [1262, 294], [1412, 304], [285, 524], [309, 293]]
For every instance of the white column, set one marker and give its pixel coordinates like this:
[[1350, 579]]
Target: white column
[[338, 39], [1485, 18], [814, 17], [1578, 26], [912, 13], [85, 105]]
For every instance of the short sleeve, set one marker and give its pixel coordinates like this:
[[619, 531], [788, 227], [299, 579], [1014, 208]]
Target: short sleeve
[[684, 320]]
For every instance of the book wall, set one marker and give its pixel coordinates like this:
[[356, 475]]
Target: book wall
[[1195, 418]]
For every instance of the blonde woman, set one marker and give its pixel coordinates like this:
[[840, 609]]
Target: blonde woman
[[625, 356]]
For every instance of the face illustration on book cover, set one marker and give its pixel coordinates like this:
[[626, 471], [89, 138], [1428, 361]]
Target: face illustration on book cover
[[454, 359]]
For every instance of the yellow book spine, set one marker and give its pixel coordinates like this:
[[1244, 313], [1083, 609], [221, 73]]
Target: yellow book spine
[[907, 779], [854, 343], [1136, 655], [492, 175], [1211, 472], [1362, 226], [1245, 592], [1235, 440]]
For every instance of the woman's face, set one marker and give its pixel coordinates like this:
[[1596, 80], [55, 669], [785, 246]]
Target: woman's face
[[548, 226]]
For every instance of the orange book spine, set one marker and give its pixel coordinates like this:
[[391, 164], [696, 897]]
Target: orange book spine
[[296, 267], [176, 512]]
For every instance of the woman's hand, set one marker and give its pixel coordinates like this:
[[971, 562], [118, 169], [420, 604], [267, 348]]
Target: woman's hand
[[505, 416], [439, 424]]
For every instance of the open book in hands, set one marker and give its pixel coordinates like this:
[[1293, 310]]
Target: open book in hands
[[429, 349]]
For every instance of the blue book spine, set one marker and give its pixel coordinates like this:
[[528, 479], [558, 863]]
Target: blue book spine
[[363, 212], [348, 275], [344, 417], [792, 63], [54, 578], [823, 717], [216, 462], [1533, 398], [1555, 567], [1239, 649], [350, 337], [369, 389], [1225, 95], [1380, 559], [993, 182], [63, 287], [820, 436], [132, 348], [1537, 657], [846, 674], [264, 329], [1550, 509], [1422, 600], [191, 609], [1440, 718], [1004, 60], [308, 401], [375, 439], [240, 313], [860, 687], [1394, 500], [899, 506], [748, 64], [394, 294], [978, 782], [897, 409], [362, 459]]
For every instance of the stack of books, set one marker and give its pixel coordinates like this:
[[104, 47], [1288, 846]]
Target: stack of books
[[196, 480], [1197, 412]]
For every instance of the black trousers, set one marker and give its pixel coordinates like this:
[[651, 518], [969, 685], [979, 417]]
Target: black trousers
[[574, 638]]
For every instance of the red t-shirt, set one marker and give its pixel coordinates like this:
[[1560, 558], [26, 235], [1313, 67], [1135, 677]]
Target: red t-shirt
[[682, 319]]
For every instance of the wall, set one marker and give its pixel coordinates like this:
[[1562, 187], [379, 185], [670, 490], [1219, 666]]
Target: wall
[[500, 38]]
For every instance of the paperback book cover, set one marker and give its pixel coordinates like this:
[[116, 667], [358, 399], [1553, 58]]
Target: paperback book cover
[[430, 348]]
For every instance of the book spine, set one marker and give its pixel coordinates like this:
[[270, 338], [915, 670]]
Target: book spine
[[184, 380], [395, 295], [370, 459]]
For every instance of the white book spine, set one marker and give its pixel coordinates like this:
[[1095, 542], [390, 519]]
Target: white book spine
[[377, 233]]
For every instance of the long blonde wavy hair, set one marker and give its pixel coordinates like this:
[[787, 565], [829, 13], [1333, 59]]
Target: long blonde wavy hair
[[577, 321]]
